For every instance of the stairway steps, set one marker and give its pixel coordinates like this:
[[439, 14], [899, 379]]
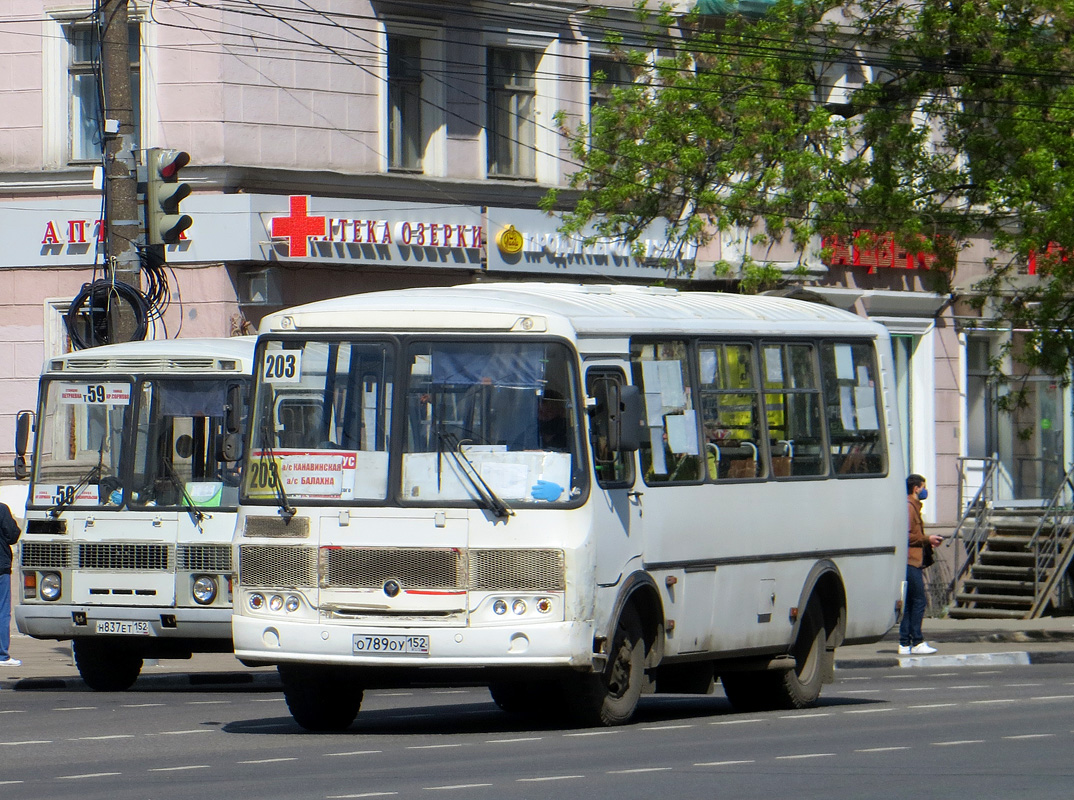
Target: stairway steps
[[1002, 557], [985, 613], [987, 585], [998, 599], [1003, 570]]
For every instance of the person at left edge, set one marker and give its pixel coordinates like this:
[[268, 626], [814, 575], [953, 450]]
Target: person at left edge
[[9, 534]]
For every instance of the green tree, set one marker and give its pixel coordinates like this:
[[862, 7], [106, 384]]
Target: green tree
[[961, 128]]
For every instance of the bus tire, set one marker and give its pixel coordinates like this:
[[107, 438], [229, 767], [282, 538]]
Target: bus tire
[[611, 697], [798, 687], [321, 700], [104, 667]]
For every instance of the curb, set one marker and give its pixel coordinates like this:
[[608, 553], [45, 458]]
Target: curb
[[1009, 658], [178, 681]]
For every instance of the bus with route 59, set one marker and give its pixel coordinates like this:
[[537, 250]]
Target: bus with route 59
[[131, 508], [575, 494]]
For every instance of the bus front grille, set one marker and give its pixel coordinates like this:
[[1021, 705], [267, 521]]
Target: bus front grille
[[46, 555], [277, 527], [369, 568], [514, 570], [203, 557], [104, 555], [278, 566]]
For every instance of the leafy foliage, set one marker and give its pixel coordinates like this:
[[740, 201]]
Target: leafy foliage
[[942, 121]]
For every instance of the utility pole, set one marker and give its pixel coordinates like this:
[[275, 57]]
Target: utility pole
[[120, 165]]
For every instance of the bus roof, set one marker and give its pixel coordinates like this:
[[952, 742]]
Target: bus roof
[[161, 356], [584, 309]]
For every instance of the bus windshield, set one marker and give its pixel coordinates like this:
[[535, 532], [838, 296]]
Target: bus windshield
[[80, 438], [173, 429], [481, 423]]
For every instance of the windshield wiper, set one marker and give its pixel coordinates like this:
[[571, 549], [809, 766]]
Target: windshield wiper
[[286, 511], [196, 514], [489, 498], [92, 473]]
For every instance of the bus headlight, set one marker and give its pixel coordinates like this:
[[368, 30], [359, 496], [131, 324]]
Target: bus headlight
[[519, 607], [499, 607], [51, 586], [204, 590], [275, 603], [292, 604], [257, 601]]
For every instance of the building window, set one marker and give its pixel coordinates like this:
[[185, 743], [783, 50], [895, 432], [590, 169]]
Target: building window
[[511, 124], [85, 89], [605, 75], [405, 135]]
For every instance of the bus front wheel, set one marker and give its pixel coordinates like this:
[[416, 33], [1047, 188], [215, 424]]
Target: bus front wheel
[[321, 699], [105, 667], [611, 697]]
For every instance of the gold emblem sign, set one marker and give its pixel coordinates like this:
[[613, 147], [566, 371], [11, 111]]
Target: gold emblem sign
[[509, 240]]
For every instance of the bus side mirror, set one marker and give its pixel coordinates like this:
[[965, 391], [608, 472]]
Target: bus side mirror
[[625, 417], [231, 446], [24, 423]]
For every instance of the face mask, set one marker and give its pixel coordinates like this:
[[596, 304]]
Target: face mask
[[923, 494]]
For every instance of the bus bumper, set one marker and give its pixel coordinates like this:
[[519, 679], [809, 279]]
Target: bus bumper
[[69, 622], [558, 644]]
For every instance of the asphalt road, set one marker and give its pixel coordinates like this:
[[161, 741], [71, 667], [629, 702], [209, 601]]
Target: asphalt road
[[997, 732]]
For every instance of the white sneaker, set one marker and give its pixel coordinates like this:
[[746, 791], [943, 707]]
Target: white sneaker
[[10, 662], [922, 649], [904, 649]]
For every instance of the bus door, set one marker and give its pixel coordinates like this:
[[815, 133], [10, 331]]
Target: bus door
[[616, 506]]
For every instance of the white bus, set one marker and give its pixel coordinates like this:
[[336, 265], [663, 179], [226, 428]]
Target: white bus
[[575, 494], [131, 507]]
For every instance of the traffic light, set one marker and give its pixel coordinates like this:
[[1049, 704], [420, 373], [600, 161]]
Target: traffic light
[[163, 193]]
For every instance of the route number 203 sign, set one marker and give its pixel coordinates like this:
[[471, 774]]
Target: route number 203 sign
[[282, 366]]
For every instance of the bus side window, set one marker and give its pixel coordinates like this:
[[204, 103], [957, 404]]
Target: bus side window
[[731, 424], [851, 391], [611, 467], [792, 402], [671, 453]]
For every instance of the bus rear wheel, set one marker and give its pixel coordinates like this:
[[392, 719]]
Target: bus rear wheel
[[611, 697], [798, 687], [321, 699], [106, 667]]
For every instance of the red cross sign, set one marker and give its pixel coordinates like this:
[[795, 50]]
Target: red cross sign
[[298, 227]]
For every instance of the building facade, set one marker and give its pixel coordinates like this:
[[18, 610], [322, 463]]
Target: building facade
[[349, 147]]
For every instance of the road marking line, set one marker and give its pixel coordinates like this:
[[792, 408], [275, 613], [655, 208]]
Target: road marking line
[[1021, 685], [640, 769], [356, 753], [970, 686], [958, 741], [804, 755], [666, 727], [365, 794], [209, 703], [935, 705], [432, 746], [179, 769], [458, 786], [1031, 736], [880, 749], [917, 689], [101, 738], [270, 700], [734, 721], [178, 733], [87, 775], [592, 733], [858, 691], [141, 705], [723, 763], [1055, 697], [804, 716], [28, 741], [992, 702], [8, 783], [550, 778], [867, 710], [76, 708], [513, 741], [14, 711], [268, 760], [459, 691]]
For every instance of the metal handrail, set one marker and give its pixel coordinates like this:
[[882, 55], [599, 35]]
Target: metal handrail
[[1047, 556], [977, 508]]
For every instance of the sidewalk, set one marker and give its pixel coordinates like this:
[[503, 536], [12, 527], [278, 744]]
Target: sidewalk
[[48, 664]]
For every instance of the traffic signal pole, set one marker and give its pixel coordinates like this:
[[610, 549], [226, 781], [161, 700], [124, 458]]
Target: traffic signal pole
[[123, 227]]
